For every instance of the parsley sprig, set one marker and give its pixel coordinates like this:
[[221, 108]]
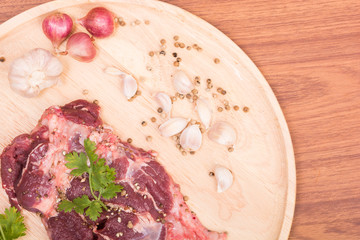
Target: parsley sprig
[[101, 181], [11, 224]]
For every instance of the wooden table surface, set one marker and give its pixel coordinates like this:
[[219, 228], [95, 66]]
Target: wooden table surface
[[309, 51]]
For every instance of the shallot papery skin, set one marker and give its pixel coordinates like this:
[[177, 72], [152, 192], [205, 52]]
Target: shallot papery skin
[[81, 47], [99, 22], [57, 28]]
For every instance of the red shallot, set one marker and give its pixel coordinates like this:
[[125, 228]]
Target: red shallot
[[81, 47], [99, 22], [57, 28]]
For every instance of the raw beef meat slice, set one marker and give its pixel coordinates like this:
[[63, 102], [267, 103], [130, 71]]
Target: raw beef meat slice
[[150, 207]]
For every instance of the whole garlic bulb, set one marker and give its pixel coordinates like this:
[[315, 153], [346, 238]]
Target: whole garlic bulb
[[36, 70]]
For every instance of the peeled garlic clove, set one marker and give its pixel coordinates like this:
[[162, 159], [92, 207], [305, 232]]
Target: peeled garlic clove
[[173, 126], [36, 70], [163, 101], [129, 83], [129, 86], [191, 138], [113, 71], [182, 83], [222, 133], [224, 178], [204, 111]]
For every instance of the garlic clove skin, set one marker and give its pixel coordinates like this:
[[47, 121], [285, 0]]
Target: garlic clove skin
[[224, 178], [222, 133], [129, 82], [204, 111], [182, 83], [191, 138], [164, 101], [36, 70], [129, 86], [173, 126]]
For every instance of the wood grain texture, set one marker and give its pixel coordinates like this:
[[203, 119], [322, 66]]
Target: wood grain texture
[[262, 162], [309, 51]]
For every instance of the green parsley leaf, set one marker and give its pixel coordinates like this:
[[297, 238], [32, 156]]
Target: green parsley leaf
[[111, 191], [11, 224], [101, 181], [111, 173], [94, 210], [78, 204], [66, 206], [81, 203], [78, 162], [101, 175], [90, 148]]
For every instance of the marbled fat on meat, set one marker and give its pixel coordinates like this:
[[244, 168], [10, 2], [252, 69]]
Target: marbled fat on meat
[[150, 207]]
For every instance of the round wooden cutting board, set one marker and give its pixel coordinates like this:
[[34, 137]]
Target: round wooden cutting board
[[260, 203]]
